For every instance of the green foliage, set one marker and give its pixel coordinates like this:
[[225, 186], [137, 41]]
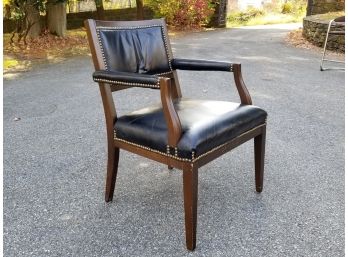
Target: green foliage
[[330, 15], [297, 7], [273, 7], [20, 11], [182, 13], [98, 3], [245, 16], [272, 13], [19, 8], [287, 7], [9, 63]]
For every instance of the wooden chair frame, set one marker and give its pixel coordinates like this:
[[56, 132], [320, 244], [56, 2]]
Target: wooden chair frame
[[170, 90]]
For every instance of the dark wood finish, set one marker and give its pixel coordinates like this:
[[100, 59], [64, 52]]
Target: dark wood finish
[[113, 157], [140, 9], [259, 151], [171, 116], [96, 52], [243, 92], [199, 162], [190, 181], [176, 91], [169, 91]]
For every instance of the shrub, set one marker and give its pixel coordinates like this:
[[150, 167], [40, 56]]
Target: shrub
[[297, 7], [287, 7], [182, 13], [243, 17], [273, 7]]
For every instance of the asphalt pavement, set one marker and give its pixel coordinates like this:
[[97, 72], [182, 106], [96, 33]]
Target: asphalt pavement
[[55, 161]]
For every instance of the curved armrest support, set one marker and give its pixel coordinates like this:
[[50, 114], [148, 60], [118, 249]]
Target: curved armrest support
[[201, 65], [243, 92], [126, 79], [148, 81], [170, 114]]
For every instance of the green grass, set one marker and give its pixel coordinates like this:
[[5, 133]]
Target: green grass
[[330, 15], [268, 18], [10, 63]]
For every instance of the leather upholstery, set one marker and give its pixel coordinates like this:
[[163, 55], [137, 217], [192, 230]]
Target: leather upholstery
[[126, 78], [205, 125], [140, 49], [202, 65]]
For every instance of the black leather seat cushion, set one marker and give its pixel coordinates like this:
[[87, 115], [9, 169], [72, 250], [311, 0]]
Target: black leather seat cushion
[[205, 125]]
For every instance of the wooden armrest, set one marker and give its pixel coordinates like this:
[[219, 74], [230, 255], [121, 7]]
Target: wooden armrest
[[170, 114], [243, 92], [205, 65]]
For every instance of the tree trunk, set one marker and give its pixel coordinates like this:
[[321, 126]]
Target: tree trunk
[[56, 17], [309, 7], [100, 9], [7, 14], [33, 19], [140, 9]]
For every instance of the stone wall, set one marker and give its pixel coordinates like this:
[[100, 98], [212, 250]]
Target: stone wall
[[75, 20], [314, 30], [325, 6]]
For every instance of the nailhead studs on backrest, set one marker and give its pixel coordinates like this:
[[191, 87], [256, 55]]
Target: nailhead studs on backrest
[[164, 38]]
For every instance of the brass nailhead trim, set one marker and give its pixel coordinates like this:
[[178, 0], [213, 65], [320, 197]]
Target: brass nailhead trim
[[152, 150], [102, 50], [223, 145], [135, 27], [231, 68], [128, 83], [175, 151], [166, 47], [183, 159], [129, 27], [164, 73]]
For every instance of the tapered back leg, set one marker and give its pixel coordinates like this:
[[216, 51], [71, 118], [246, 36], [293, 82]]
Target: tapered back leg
[[259, 150], [190, 179], [113, 157]]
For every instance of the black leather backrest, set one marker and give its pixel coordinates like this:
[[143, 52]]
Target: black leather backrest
[[140, 49]]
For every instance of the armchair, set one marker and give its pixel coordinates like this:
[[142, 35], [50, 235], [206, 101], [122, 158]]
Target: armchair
[[181, 133]]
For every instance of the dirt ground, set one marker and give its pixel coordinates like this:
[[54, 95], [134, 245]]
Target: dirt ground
[[52, 49], [296, 39]]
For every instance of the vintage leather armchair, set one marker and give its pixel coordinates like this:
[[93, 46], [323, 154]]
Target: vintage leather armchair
[[178, 132]]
